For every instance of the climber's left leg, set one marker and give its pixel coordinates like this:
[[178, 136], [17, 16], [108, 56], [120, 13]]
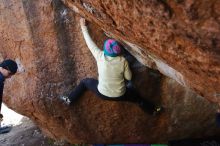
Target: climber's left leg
[[85, 84]]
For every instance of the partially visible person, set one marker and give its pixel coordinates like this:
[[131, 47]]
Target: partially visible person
[[7, 69]]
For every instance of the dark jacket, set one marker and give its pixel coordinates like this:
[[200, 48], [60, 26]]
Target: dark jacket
[[2, 79], [218, 119]]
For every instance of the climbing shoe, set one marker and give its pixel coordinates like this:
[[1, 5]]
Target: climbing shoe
[[5, 129], [65, 100], [157, 110]]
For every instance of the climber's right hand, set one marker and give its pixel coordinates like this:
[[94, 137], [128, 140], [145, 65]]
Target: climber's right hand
[[1, 117], [129, 84]]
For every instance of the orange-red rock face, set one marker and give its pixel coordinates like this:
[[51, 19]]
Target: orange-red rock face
[[184, 34], [44, 37]]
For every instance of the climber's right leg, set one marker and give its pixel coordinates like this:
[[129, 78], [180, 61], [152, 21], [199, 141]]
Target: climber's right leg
[[132, 95]]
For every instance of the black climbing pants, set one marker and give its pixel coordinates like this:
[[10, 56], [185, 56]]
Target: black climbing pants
[[131, 95]]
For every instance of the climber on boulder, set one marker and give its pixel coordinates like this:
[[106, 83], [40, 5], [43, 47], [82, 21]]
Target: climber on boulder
[[7, 69], [113, 70]]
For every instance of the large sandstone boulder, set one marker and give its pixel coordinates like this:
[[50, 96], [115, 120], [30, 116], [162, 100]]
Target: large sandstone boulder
[[44, 37], [181, 34]]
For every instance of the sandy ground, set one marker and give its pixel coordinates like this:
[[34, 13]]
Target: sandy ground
[[24, 132]]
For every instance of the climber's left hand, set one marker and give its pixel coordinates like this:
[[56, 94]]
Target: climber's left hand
[[82, 21]]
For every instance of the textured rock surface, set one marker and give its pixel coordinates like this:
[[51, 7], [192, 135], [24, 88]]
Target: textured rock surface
[[185, 34], [45, 38]]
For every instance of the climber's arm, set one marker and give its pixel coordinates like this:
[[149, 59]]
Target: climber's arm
[[96, 52], [127, 72]]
